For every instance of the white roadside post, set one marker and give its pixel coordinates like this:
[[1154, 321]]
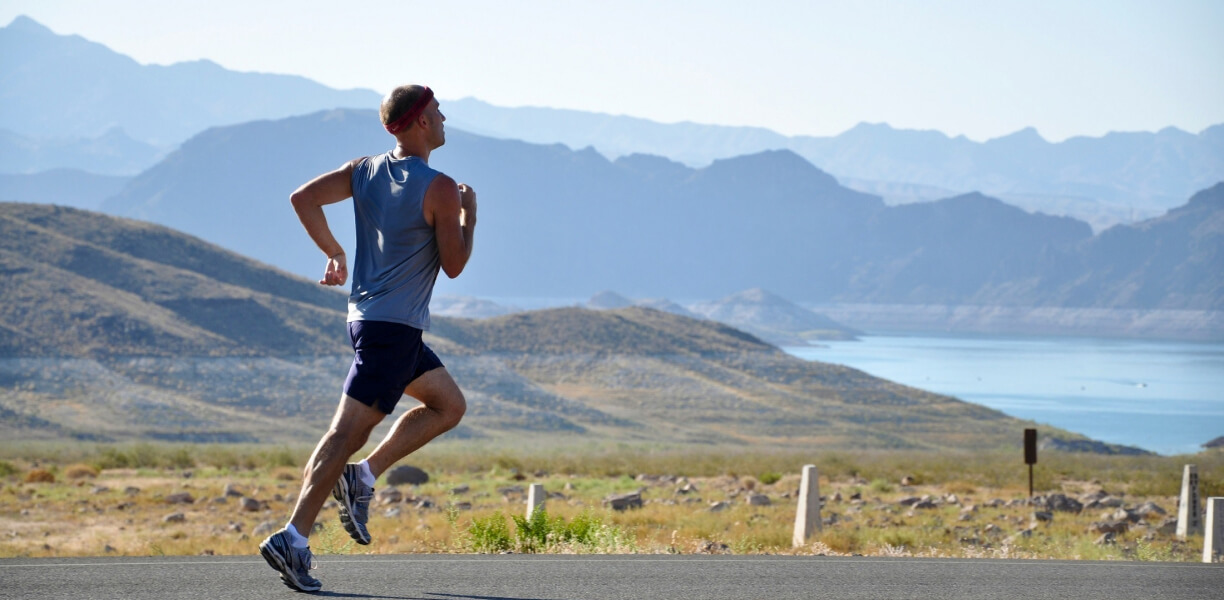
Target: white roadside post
[[807, 516], [535, 498], [1189, 513], [1213, 541]]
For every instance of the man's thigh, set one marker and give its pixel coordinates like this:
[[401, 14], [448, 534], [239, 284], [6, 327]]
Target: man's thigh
[[435, 389]]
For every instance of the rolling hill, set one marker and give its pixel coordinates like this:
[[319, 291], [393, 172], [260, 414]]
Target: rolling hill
[[119, 330]]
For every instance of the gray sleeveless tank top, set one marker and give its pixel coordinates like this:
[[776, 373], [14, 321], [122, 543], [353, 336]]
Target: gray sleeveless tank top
[[397, 258]]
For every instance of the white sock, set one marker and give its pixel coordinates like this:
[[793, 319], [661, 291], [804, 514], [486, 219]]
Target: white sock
[[367, 476], [296, 539]]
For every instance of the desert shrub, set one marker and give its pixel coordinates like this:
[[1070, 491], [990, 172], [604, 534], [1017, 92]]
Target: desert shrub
[[7, 469], [845, 541], [898, 539], [39, 476], [880, 486], [80, 471], [770, 477], [180, 458], [281, 457], [531, 534], [488, 534]]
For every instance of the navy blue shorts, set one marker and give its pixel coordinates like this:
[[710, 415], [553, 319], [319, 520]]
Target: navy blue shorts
[[386, 358]]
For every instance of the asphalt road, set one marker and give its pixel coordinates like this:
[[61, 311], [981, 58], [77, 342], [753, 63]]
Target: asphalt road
[[519, 577]]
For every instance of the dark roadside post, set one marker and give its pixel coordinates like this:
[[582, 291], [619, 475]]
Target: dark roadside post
[[1030, 455]]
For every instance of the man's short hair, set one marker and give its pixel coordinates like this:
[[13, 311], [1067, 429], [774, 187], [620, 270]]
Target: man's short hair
[[396, 103]]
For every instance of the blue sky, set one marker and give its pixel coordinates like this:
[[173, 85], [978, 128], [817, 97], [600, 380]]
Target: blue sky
[[981, 69]]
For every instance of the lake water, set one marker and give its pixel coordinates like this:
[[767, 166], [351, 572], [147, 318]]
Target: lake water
[[1167, 397]]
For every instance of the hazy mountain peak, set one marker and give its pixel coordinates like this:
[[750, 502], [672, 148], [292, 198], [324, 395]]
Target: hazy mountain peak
[[1210, 197], [757, 295], [1028, 135], [24, 24], [771, 163], [608, 299]]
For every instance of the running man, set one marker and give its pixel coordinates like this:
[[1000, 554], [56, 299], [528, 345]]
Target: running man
[[411, 222]]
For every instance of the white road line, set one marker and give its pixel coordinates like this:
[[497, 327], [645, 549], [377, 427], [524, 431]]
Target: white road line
[[373, 559]]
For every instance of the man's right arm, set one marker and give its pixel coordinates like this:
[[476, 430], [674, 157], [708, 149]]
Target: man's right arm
[[309, 200], [451, 209]]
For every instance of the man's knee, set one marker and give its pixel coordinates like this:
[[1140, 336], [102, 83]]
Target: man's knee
[[452, 408], [348, 436]]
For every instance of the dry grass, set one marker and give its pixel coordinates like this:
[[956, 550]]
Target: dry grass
[[123, 510]]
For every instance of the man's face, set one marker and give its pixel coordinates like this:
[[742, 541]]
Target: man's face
[[435, 118]]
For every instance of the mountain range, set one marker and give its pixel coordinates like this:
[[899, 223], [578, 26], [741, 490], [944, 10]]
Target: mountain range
[[122, 117], [563, 223], [64, 86], [1120, 177], [116, 329]]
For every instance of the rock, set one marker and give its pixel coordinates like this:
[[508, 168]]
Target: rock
[[389, 496], [424, 503], [460, 489], [392, 512], [1110, 502], [757, 500], [1168, 527], [462, 506], [624, 501], [1062, 503], [1149, 508], [511, 490], [909, 501], [1109, 526], [251, 505], [1124, 515], [406, 475], [232, 492], [234, 527], [131, 491], [1043, 516], [719, 506], [1093, 496], [100, 489], [709, 547], [1107, 539], [951, 499], [207, 552], [219, 500], [964, 516], [264, 529], [687, 488], [991, 528], [856, 496], [926, 504], [908, 480], [180, 498], [177, 517], [107, 549]]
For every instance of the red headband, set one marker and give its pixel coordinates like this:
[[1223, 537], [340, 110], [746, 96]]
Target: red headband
[[407, 118]]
